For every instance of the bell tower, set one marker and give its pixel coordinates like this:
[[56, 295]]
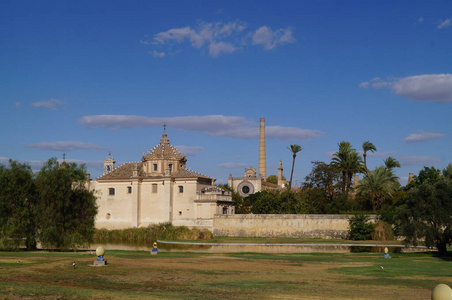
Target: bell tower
[[109, 164]]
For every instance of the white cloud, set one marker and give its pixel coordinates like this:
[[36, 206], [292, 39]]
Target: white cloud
[[444, 24], [231, 165], [219, 38], [189, 150], [422, 136], [418, 160], [65, 146], [214, 125], [427, 87], [216, 49], [270, 39], [158, 54], [52, 104]]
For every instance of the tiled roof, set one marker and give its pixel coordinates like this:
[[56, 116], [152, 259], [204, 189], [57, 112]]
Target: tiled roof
[[126, 172]]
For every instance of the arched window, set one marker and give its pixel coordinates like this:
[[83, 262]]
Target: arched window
[[111, 191]]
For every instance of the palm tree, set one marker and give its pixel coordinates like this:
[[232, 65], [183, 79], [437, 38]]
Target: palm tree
[[379, 185], [348, 162], [367, 146], [294, 149], [391, 163]]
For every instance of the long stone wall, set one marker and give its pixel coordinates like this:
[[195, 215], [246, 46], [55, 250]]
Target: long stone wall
[[305, 226]]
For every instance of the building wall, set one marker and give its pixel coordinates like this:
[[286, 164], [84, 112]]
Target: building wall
[[305, 226]]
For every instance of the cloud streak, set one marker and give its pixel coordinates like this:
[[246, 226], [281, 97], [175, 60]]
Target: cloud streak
[[219, 38], [427, 87], [214, 125], [444, 24], [53, 104], [231, 165], [416, 160], [65, 146], [422, 136]]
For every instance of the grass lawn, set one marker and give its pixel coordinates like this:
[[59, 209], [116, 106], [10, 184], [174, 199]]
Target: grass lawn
[[186, 275]]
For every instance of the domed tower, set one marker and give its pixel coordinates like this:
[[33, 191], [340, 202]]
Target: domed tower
[[163, 159]]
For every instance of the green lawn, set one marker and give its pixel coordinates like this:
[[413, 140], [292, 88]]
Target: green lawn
[[186, 275]]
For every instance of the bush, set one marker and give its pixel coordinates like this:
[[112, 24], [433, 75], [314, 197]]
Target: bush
[[360, 227], [164, 231], [383, 232]]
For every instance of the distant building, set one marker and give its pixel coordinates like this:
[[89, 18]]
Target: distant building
[[251, 182], [157, 189]]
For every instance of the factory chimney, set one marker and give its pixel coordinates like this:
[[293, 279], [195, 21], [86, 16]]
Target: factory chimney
[[262, 156]]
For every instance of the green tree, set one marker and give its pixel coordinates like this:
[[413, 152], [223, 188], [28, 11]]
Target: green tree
[[367, 146], [272, 179], [63, 196], [447, 172], [348, 162], [276, 202], [427, 214], [294, 149], [391, 163], [379, 185], [361, 227], [321, 188], [17, 206], [428, 174]]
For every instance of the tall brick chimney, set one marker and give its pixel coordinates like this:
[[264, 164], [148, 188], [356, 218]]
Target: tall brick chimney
[[262, 155]]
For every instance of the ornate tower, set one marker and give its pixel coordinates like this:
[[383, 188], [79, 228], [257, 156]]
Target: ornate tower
[[262, 156], [109, 164], [280, 175]]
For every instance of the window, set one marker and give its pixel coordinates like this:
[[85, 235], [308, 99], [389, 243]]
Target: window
[[170, 167], [155, 167], [246, 189], [154, 188], [225, 210], [129, 190], [111, 191], [181, 189]]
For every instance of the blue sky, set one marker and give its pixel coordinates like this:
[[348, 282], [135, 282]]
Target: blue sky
[[87, 78]]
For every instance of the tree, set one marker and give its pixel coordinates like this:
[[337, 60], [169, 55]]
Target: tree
[[367, 146], [361, 227], [294, 149], [321, 188], [428, 174], [63, 196], [272, 179], [427, 214], [391, 163], [447, 172], [276, 202], [17, 213], [348, 162], [379, 185]]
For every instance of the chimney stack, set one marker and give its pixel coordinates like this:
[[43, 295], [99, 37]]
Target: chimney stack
[[262, 155]]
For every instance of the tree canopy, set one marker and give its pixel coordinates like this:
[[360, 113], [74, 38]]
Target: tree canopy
[[427, 214], [53, 207]]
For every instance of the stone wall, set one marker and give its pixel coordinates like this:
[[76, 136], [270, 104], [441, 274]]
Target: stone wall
[[305, 226]]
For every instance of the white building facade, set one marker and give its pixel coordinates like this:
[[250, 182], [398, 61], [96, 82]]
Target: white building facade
[[156, 190]]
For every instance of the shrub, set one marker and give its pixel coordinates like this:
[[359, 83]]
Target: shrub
[[360, 227], [164, 231], [383, 232]]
